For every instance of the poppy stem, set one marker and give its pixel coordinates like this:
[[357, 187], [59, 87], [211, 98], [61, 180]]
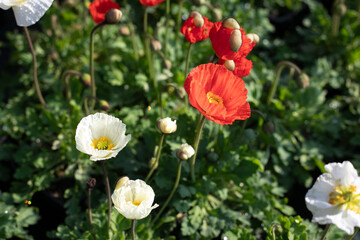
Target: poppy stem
[[197, 138], [36, 81], [156, 162], [65, 78], [108, 195], [91, 184], [176, 184], [148, 50], [325, 232], [166, 26], [178, 20], [93, 87], [279, 68], [187, 59], [133, 227], [354, 234]]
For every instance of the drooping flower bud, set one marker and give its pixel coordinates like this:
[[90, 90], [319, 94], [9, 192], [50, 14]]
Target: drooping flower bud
[[304, 80], [235, 40], [86, 79], [104, 105], [121, 182], [113, 16], [231, 23], [198, 18], [91, 183], [253, 37], [166, 125], [185, 152], [153, 162], [167, 64], [230, 65], [156, 45], [125, 31]]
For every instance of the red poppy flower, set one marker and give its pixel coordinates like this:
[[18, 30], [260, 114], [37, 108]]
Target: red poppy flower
[[220, 40], [217, 93], [241, 67], [99, 8], [193, 33], [151, 3]]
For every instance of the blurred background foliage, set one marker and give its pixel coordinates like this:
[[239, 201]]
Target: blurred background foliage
[[252, 176]]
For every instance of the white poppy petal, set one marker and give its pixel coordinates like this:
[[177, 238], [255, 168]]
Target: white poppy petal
[[30, 11]]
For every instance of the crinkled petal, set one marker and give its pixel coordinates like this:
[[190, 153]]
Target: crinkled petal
[[30, 11]]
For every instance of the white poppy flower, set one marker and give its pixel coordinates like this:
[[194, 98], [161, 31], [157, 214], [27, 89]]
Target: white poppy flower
[[166, 125], [27, 12], [335, 197], [101, 136], [185, 152], [134, 199]]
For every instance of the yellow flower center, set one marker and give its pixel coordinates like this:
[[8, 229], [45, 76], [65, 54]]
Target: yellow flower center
[[213, 98], [102, 143], [346, 196], [136, 203]]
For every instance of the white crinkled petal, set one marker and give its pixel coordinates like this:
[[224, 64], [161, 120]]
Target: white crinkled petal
[[344, 171], [30, 11], [4, 6]]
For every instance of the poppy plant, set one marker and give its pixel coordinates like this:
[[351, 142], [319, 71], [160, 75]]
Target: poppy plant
[[196, 28], [99, 8], [217, 93], [229, 41], [151, 3], [241, 67]]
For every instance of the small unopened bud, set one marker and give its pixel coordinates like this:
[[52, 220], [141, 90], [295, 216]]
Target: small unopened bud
[[86, 79], [153, 162], [235, 41], [113, 16], [230, 65], [341, 8], [166, 125], [195, 13], [167, 64], [180, 92], [91, 183], [218, 14], [231, 23], [268, 127], [121, 182], [125, 31], [304, 80], [156, 45], [199, 21], [104, 105], [253, 37], [185, 152]]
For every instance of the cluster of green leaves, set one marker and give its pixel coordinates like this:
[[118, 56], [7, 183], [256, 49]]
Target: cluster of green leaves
[[245, 177]]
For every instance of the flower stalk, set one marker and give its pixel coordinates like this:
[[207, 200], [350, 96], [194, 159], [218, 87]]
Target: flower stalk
[[65, 78], [106, 179], [279, 69], [325, 232], [148, 50], [93, 86], [176, 184], [133, 227], [167, 26], [158, 153], [354, 234], [91, 184], [197, 138], [36, 81]]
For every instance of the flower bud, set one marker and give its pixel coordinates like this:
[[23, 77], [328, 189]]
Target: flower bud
[[199, 21], [235, 41], [304, 80], [218, 14], [185, 152], [268, 127], [153, 162], [231, 23], [195, 13], [230, 65], [166, 125], [86, 79], [156, 45], [91, 183], [121, 182], [253, 37], [104, 105], [167, 64], [125, 31], [113, 16], [341, 8]]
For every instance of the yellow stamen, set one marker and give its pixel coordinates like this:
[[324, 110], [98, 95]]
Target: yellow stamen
[[136, 203], [102, 143], [346, 196], [18, 2], [213, 98]]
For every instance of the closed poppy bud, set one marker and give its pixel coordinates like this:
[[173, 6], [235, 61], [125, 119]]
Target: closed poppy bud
[[156, 45], [104, 105], [167, 64], [166, 125], [230, 65], [121, 182], [125, 31], [268, 127], [113, 16], [253, 37], [153, 162], [86, 79], [241, 67], [304, 80], [229, 40], [185, 152]]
